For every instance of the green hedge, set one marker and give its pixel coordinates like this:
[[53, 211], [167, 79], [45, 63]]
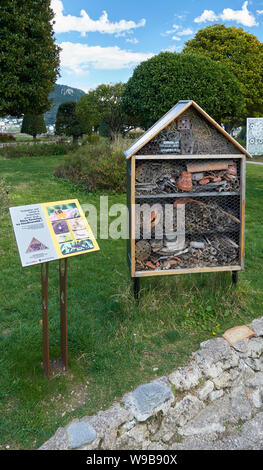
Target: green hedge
[[36, 150], [96, 167]]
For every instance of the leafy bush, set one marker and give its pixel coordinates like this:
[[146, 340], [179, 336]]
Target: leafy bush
[[36, 150], [6, 138], [91, 139], [96, 167]]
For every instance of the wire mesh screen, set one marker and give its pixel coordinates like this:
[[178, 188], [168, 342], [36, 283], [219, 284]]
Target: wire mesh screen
[[187, 221]]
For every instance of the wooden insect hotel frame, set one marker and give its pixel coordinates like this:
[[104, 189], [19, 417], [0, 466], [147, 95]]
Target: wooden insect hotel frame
[[185, 160]]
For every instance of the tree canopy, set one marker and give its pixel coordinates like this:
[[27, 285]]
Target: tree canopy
[[29, 58], [160, 82], [241, 52], [69, 123], [105, 104], [33, 125]]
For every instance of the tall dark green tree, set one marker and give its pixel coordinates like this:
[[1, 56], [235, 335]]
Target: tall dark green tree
[[29, 57], [160, 82], [33, 125], [69, 123]]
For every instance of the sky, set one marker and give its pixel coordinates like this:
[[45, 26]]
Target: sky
[[103, 41]]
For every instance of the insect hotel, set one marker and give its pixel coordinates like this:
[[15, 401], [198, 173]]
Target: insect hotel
[[186, 197]]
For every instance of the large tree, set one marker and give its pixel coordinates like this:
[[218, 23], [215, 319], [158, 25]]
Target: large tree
[[241, 52], [105, 104], [29, 57], [69, 123], [33, 125], [158, 83]]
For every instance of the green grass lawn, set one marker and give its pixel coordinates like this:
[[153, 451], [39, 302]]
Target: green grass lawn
[[114, 343]]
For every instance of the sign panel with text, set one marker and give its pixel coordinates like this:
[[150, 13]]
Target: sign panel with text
[[50, 231]]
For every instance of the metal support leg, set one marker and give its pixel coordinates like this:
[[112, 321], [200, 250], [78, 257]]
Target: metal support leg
[[136, 287], [44, 284], [63, 312], [234, 277]]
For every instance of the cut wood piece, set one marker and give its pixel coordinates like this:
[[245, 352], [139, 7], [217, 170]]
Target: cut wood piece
[[208, 166]]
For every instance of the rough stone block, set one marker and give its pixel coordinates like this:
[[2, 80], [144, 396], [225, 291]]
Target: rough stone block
[[80, 433], [204, 391], [185, 378], [257, 326], [148, 399]]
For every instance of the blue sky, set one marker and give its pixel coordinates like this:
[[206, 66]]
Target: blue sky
[[102, 41]]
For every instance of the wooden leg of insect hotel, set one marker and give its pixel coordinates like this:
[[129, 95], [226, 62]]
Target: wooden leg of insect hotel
[[136, 287], [44, 284], [63, 312], [234, 277]]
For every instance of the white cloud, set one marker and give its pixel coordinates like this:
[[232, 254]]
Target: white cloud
[[185, 32], [207, 15], [132, 40], [260, 12], [243, 16], [173, 49], [78, 58], [84, 24]]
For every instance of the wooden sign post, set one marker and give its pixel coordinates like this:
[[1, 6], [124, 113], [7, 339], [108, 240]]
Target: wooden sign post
[[47, 232]]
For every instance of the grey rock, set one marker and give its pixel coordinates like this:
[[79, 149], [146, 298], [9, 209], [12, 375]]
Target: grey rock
[[219, 348], [80, 433], [222, 381], [255, 348], [257, 326], [183, 411], [215, 395], [60, 441], [106, 424], [185, 378], [135, 439], [211, 356], [241, 346], [231, 361], [253, 430], [256, 380], [204, 391], [241, 409], [254, 364], [148, 399], [257, 398], [209, 420]]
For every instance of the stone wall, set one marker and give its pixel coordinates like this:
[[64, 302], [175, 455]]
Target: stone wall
[[215, 402]]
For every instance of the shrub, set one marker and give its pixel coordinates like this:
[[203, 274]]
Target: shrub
[[6, 138], [96, 167], [91, 139], [37, 150]]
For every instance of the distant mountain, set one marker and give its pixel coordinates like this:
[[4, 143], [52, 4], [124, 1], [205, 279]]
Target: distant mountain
[[61, 94]]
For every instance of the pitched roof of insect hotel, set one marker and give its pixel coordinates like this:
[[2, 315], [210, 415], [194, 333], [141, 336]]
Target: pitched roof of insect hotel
[[174, 113]]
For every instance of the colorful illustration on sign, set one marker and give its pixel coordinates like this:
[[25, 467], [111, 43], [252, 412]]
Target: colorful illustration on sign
[[36, 245], [60, 227], [63, 211], [75, 247], [64, 237], [77, 224], [81, 234]]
